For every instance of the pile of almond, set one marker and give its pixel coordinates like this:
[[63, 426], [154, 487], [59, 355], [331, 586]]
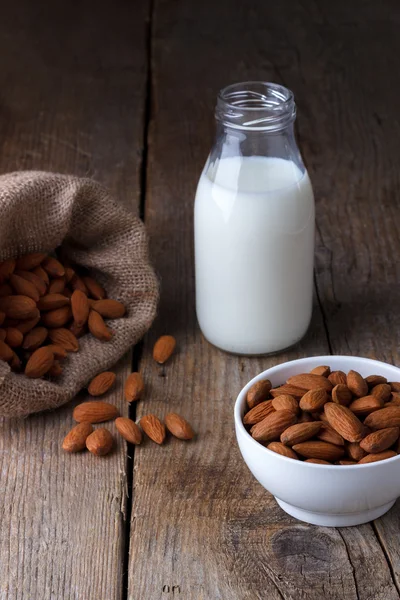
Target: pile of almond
[[327, 417], [100, 441], [45, 306]]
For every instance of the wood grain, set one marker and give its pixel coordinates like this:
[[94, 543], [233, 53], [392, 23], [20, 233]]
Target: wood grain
[[201, 526], [72, 100]]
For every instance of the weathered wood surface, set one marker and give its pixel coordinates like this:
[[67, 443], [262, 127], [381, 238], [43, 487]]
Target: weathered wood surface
[[72, 79], [201, 527]]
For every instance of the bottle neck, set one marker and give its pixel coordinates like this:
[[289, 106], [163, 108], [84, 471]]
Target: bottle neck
[[255, 107]]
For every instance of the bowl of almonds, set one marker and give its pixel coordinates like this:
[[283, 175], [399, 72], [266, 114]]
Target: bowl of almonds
[[322, 434]]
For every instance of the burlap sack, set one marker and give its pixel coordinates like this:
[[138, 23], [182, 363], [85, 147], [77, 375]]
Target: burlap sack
[[40, 211]]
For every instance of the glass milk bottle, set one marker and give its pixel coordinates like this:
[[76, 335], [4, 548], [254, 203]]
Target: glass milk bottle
[[254, 225]]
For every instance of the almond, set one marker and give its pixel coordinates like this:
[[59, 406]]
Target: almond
[[69, 274], [109, 309], [42, 274], [382, 391], [280, 448], [35, 280], [286, 402], [15, 362], [321, 450], [100, 442], [178, 426], [134, 387], [95, 411], [96, 291], [55, 370], [337, 377], [57, 318], [314, 400], [270, 428], [341, 394], [52, 302], [324, 371], [258, 412], [375, 457], [164, 348], [327, 434], [381, 440], [30, 261], [395, 386], [153, 428], [52, 266], [57, 286], [77, 283], [66, 339], [29, 324], [383, 418], [35, 338], [356, 384], [395, 399], [98, 328], [75, 440], [259, 392], [292, 390], [101, 383], [366, 405], [354, 451], [58, 351], [129, 430], [80, 307], [342, 420], [301, 432], [14, 337], [6, 352], [18, 307], [39, 363], [6, 269], [346, 462], [317, 461], [308, 381], [5, 290], [374, 380], [24, 287]]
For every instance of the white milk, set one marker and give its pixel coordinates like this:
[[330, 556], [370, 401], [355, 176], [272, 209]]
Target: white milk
[[254, 248]]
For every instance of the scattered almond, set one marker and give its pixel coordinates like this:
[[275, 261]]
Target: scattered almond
[[94, 411], [134, 387], [75, 440], [153, 428], [178, 426], [129, 430], [164, 348], [101, 383], [100, 442]]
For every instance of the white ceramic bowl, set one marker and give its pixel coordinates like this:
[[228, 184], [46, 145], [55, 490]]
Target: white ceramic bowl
[[334, 495]]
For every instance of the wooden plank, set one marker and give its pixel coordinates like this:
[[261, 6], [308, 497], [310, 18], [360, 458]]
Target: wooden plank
[[201, 526], [72, 100]]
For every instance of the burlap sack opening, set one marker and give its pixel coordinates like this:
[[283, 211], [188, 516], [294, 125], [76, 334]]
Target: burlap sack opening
[[39, 212]]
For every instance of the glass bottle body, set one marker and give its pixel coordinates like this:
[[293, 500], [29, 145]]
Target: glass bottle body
[[254, 229]]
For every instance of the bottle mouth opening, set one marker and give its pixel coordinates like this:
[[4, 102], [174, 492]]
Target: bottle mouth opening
[[256, 106]]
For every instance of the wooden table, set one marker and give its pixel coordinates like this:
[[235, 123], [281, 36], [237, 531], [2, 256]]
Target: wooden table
[[124, 92]]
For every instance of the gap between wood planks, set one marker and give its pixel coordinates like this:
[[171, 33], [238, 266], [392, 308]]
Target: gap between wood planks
[[138, 349]]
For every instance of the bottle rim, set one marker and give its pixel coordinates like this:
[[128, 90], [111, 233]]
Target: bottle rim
[[256, 106]]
